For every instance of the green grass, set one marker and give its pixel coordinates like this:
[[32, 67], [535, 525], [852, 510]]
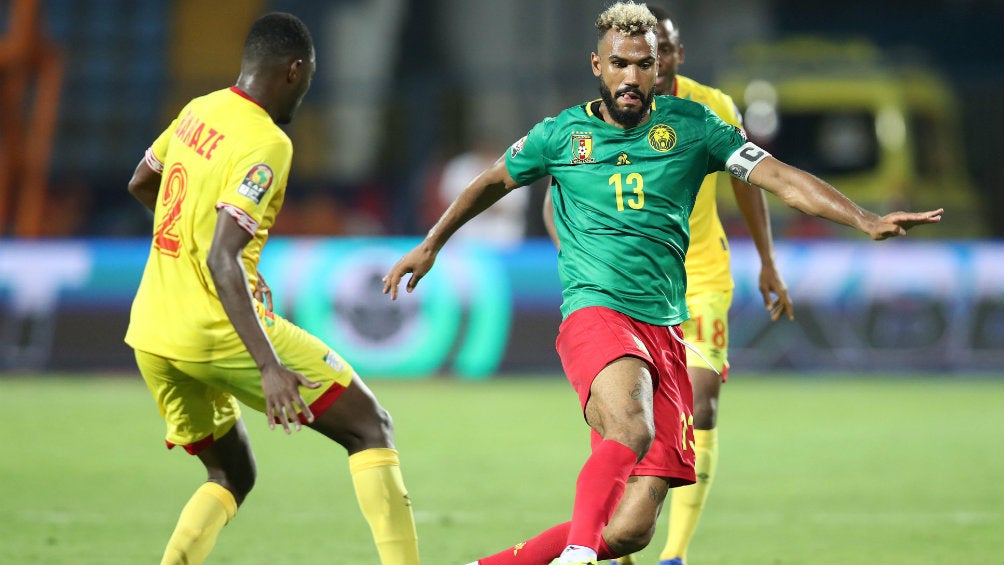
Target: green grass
[[812, 472]]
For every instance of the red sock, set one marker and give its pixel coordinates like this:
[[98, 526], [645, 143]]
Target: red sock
[[598, 490], [536, 551], [603, 552]]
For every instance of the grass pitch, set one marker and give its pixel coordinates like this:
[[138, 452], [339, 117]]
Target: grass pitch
[[813, 471]]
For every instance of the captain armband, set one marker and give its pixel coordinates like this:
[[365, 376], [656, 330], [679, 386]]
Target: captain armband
[[744, 159]]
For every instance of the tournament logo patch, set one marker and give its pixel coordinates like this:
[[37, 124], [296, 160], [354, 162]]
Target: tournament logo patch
[[517, 147], [662, 138], [256, 182], [582, 148], [333, 361]]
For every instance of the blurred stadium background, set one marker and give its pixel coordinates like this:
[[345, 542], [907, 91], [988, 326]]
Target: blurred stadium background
[[900, 104]]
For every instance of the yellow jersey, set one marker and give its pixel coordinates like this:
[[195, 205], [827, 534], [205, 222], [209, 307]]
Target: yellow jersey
[[223, 151], [707, 260]]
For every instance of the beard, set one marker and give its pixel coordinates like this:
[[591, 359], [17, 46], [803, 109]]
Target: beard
[[627, 117]]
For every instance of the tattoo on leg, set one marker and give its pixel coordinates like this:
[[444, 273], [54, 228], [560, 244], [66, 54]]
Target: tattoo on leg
[[636, 392], [654, 494]]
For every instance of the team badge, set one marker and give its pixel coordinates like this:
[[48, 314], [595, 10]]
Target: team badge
[[517, 147], [662, 138], [256, 182], [582, 148]]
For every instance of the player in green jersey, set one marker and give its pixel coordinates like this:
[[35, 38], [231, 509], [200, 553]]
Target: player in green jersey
[[709, 291], [626, 170]]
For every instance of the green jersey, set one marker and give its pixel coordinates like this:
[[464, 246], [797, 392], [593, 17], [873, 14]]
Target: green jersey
[[622, 199]]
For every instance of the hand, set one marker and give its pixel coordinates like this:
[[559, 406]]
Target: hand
[[897, 223], [263, 293], [775, 294], [282, 396], [418, 261]]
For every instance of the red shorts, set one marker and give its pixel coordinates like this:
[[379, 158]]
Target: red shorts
[[591, 338]]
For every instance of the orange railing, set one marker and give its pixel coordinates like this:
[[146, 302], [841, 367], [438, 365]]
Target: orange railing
[[31, 72]]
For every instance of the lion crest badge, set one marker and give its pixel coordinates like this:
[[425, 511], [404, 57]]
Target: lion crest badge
[[662, 138]]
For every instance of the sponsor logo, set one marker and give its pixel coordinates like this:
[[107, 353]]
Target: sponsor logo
[[517, 547], [662, 138], [582, 148], [256, 182], [517, 147], [623, 159], [640, 345]]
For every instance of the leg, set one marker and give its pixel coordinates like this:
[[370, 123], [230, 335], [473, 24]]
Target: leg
[[633, 524], [688, 502], [206, 421], [347, 412], [619, 410], [358, 422], [231, 468]]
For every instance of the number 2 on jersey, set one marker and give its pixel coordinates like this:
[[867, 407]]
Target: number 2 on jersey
[[634, 180], [166, 238]]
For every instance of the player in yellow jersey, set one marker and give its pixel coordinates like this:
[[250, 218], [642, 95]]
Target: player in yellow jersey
[[709, 290], [204, 339]]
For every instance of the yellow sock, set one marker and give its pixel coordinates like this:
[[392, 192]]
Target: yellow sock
[[688, 502], [209, 509], [376, 475], [625, 560]]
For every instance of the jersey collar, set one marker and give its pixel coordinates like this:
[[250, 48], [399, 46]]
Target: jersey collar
[[245, 95]]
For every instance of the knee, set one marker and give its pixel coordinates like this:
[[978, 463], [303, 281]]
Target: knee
[[637, 435], [382, 425], [376, 429], [239, 483], [629, 538], [705, 412]]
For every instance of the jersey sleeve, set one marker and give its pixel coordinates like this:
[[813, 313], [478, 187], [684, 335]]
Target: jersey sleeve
[[525, 159], [157, 152], [722, 138], [256, 180]]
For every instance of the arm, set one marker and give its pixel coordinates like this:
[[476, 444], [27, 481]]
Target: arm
[[145, 184], [753, 206], [279, 384], [811, 195], [486, 189], [548, 212]]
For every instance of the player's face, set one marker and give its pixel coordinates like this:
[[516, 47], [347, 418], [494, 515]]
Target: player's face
[[301, 75], [670, 56], [626, 67]]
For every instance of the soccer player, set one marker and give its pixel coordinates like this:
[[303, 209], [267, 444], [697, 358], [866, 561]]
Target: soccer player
[[709, 291], [215, 180], [626, 169]]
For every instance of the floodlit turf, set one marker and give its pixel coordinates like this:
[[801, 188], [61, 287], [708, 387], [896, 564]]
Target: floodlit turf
[[813, 471]]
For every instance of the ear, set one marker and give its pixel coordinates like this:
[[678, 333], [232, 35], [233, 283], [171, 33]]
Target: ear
[[594, 61], [679, 55], [294, 70]]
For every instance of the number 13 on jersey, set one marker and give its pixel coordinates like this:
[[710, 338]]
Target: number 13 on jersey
[[633, 182]]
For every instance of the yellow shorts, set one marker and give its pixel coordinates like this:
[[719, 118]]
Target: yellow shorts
[[708, 329], [198, 400]]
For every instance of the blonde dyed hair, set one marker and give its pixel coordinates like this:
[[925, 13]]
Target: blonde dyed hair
[[627, 18]]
